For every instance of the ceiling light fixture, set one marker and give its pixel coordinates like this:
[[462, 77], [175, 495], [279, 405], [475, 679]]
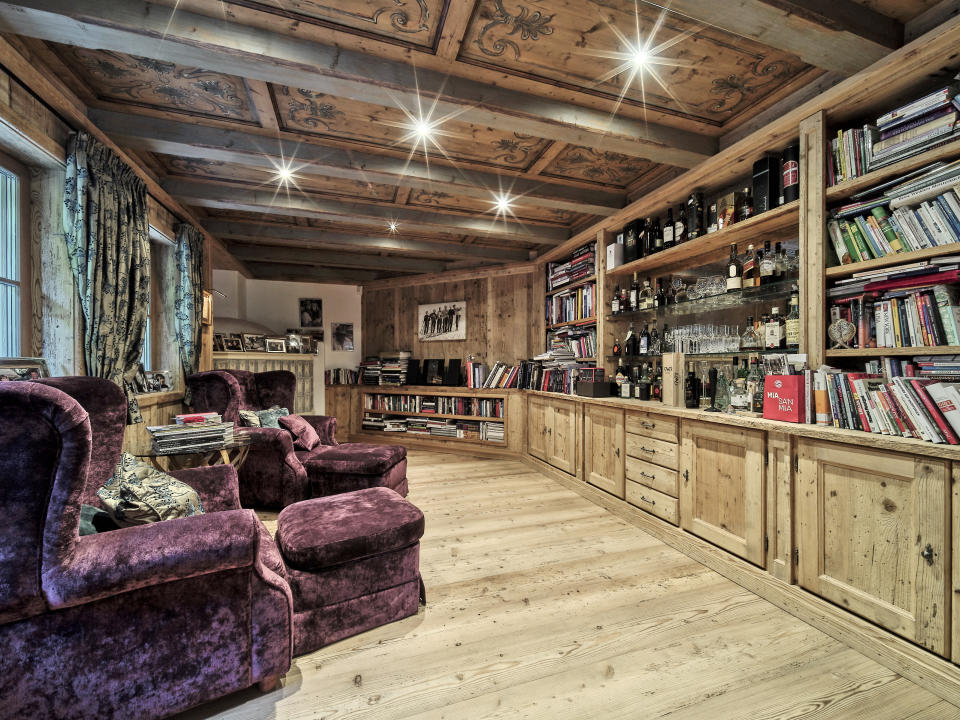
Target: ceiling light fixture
[[640, 58], [392, 225], [503, 203], [284, 174]]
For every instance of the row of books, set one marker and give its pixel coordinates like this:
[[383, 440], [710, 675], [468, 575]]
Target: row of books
[[581, 341], [461, 429], [443, 405], [577, 304], [908, 130], [582, 264], [342, 376], [924, 317], [394, 366], [900, 406], [190, 437]]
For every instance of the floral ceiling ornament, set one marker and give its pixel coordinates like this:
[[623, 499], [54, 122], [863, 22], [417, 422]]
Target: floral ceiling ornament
[[530, 26], [735, 89], [315, 111], [517, 149], [399, 15]]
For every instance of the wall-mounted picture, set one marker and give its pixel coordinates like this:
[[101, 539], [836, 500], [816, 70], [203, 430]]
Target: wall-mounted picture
[[254, 343], [311, 312], [341, 337], [18, 368], [442, 321], [232, 342], [277, 345]]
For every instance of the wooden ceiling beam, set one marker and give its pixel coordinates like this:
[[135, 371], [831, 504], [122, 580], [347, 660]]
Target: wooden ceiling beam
[[323, 239], [304, 273], [836, 35], [331, 258], [229, 197], [182, 139], [141, 28], [260, 98]]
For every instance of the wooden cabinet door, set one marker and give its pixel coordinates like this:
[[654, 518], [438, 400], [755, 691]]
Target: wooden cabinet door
[[536, 428], [722, 487], [562, 437], [603, 449], [780, 526], [873, 529]]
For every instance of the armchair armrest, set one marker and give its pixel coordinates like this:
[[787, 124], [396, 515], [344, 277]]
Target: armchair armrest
[[326, 427], [217, 486], [120, 561], [272, 475]]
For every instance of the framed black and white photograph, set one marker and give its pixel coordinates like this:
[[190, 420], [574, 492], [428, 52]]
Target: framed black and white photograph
[[233, 342], [433, 371], [307, 345], [442, 321], [22, 368], [218, 342], [159, 380], [315, 333], [341, 337], [294, 343], [254, 343], [311, 312], [277, 345]]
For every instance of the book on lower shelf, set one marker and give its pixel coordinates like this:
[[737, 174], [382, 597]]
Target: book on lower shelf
[[479, 429]]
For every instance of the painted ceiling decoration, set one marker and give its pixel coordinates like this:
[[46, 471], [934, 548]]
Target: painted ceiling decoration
[[599, 166]]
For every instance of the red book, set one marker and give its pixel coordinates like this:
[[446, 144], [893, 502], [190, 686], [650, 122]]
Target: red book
[[934, 411], [857, 400], [901, 414]]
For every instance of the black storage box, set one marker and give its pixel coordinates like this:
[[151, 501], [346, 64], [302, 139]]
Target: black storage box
[[593, 389]]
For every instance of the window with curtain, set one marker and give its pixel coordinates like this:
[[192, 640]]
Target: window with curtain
[[10, 265]]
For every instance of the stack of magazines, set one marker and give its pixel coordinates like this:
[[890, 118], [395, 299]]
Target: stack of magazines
[[191, 436]]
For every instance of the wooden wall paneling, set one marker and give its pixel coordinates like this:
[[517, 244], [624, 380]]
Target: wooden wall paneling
[[536, 322], [813, 241], [779, 531], [508, 317], [379, 317], [604, 329]]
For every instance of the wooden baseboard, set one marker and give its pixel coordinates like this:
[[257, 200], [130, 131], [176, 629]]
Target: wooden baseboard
[[939, 676]]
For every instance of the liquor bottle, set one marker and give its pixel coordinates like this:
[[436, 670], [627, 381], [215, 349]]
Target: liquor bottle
[[615, 303], [793, 321], [695, 215], [630, 242], [755, 386], [643, 238], [626, 387], [774, 330], [680, 226], [666, 340], [644, 340], [645, 298], [750, 340], [691, 389], [654, 347], [634, 293], [656, 388], [621, 374], [630, 343], [624, 299], [617, 347], [668, 228], [791, 173], [780, 256], [748, 264], [734, 271], [656, 236], [649, 242], [739, 396], [643, 386], [768, 265], [742, 205], [670, 297], [659, 298]]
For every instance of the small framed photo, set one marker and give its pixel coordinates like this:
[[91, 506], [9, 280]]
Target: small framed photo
[[206, 314], [218, 342], [159, 380], [294, 343], [233, 342], [254, 343], [307, 346], [433, 369], [276, 345], [16, 369]]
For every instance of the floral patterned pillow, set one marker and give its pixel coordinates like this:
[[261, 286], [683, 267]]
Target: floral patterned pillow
[[249, 418], [138, 494]]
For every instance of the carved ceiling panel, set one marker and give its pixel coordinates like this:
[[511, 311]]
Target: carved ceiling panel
[[599, 166], [446, 201], [414, 22], [716, 76], [217, 170], [151, 83], [312, 112], [902, 10]]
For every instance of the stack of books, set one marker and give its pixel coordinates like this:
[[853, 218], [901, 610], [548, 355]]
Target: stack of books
[[940, 366], [190, 436], [582, 341], [370, 371], [491, 432], [575, 304], [394, 367], [897, 135], [898, 406], [341, 376], [394, 425], [373, 422], [582, 264]]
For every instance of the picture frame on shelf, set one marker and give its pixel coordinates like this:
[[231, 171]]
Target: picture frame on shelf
[[294, 343], [218, 343], [316, 333], [232, 342], [276, 345], [307, 345], [159, 380], [13, 369], [254, 343], [433, 371]]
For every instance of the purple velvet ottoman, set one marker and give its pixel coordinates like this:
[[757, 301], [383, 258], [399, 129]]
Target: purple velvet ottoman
[[353, 563], [333, 469]]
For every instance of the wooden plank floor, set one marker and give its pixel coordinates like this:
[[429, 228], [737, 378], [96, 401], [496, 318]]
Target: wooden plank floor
[[543, 605]]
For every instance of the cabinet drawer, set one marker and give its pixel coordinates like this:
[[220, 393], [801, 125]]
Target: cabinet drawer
[[658, 427], [652, 475], [652, 501], [652, 450]]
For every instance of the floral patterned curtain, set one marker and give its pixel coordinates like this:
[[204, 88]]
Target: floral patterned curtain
[[107, 233], [189, 299]]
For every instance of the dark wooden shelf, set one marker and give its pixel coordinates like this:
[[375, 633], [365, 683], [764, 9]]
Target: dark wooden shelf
[[583, 321]]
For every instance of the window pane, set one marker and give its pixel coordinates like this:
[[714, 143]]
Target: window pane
[[9, 230], [9, 320]]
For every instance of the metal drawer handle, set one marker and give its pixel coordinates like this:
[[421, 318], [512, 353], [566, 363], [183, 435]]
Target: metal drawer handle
[[652, 477], [644, 499], [927, 554], [647, 450], [617, 452], [647, 425]]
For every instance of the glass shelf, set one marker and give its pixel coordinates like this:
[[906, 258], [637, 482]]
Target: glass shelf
[[774, 291], [736, 353]]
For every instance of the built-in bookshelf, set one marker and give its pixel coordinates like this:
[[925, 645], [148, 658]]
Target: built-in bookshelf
[[572, 294], [469, 416]]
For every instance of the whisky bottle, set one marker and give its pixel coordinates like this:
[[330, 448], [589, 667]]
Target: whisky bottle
[[793, 321], [621, 375], [755, 386], [617, 347], [774, 330], [668, 227], [749, 263], [691, 391], [656, 236], [659, 298], [634, 294], [742, 205], [768, 265], [680, 226], [644, 341], [695, 215], [734, 271], [615, 303]]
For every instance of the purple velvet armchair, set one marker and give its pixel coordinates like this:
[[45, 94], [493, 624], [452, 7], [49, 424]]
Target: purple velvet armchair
[[275, 474], [138, 622]]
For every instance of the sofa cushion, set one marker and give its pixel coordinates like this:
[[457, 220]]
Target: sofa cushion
[[139, 493], [250, 418], [355, 458], [324, 532], [305, 437], [270, 418]]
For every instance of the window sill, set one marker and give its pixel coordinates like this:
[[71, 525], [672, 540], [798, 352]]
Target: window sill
[[159, 398]]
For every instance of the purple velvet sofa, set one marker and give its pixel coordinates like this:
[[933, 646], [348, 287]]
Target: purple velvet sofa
[[276, 475], [140, 622]]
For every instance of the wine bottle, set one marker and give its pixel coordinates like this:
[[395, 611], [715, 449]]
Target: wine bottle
[[695, 215], [634, 294], [680, 226], [793, 321], [768, 265], [659, 299], [644, 341], [668, 228], [615, 303], [734, 271], [656, 236]]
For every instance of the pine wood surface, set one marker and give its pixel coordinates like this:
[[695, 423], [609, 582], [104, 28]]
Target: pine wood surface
[[543, 605]]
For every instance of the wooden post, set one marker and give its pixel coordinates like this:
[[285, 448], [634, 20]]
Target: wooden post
[[604, 343], [813, 238]]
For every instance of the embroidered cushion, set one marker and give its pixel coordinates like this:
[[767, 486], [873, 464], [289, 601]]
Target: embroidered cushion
[[249, 418], [139, 493], [305, 436], [269, 418]]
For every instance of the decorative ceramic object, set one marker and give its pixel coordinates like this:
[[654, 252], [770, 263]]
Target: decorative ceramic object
[[841, 332]]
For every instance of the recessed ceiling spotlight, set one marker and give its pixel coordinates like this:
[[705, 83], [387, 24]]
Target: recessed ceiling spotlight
[[503, 203], [284, 174], [392, 225], [639, 58], [422, 130]]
